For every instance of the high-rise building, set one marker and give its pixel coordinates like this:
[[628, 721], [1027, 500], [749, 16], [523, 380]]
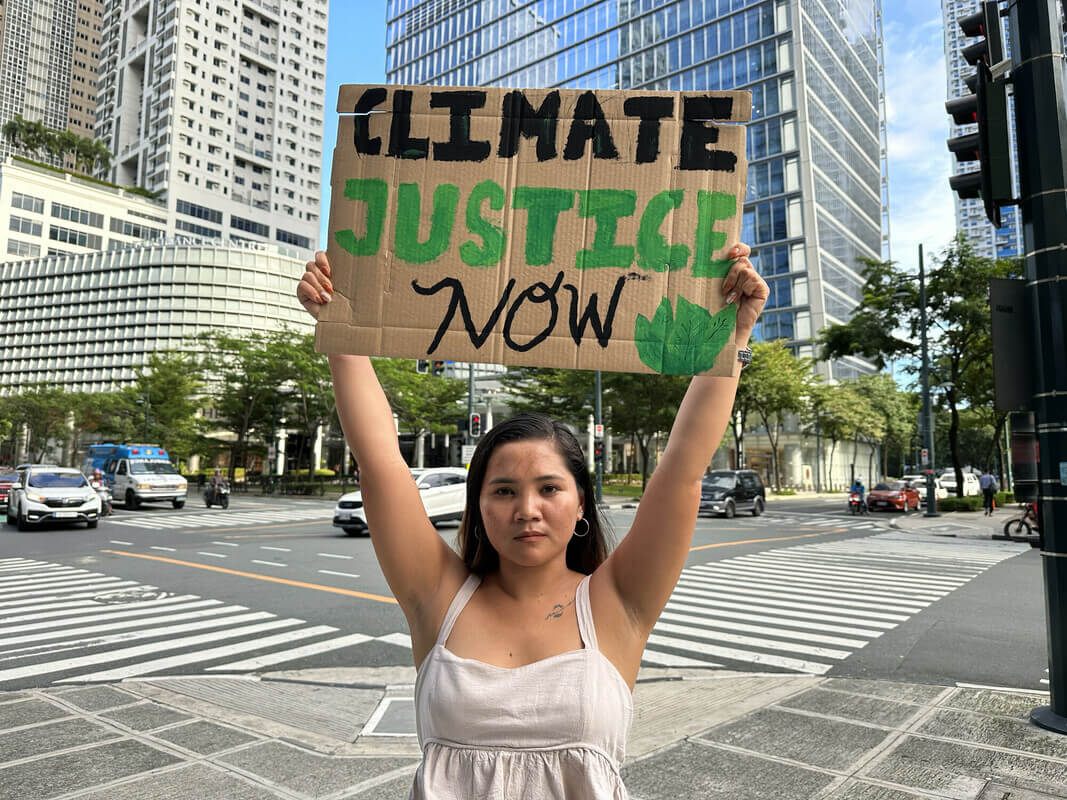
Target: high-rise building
[[1007, 240], [817, 190], [49, 51], [220, 108]]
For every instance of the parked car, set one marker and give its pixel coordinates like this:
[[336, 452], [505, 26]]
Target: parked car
[[52, 494], [918, 483], [726, 492], [7, 480], [970, 483], [893, 496], [443, 491]]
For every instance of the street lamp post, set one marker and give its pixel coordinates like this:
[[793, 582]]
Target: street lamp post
[[928, 414]]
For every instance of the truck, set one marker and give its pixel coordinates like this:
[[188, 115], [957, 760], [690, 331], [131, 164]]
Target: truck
[[137, 473]]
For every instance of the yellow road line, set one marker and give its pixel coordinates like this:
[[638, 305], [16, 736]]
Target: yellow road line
[[299, 584], [757, 541]]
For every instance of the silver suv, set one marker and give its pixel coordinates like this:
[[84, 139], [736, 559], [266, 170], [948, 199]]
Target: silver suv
[[52, 494]]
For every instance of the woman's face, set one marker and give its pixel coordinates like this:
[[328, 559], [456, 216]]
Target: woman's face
[[530, 502]]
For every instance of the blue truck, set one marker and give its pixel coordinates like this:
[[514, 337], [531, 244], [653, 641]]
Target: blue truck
[[137, 473]]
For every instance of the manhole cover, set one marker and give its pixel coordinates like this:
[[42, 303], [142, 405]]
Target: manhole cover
[[137, 594]]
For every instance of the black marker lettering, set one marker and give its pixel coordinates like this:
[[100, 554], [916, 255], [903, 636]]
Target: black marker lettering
[[650, 110], [459, 300], [547, 295], [459, 147], [520, 119], [360, 132], [602, 329], [696, 135], [589, 123], [401, 145]]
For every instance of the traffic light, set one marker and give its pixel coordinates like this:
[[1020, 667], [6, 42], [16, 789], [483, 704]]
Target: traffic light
[[422, 366], [598, 452], [438, 369], [986, 107], [475, 425]]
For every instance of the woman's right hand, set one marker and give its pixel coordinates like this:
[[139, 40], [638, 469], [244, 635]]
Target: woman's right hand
[[315, 288]]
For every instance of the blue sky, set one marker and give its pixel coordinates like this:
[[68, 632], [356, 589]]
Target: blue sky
[[921, 208]]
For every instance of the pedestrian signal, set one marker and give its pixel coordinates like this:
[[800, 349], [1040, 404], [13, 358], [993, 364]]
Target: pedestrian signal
[[475, 426]]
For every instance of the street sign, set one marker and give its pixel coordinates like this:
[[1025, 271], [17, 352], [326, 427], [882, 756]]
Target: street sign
[[467, 453], [271, 453], [598, 431], [926, 456]]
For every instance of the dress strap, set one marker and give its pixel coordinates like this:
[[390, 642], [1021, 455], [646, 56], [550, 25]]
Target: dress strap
[[459, 602], [584, 609]]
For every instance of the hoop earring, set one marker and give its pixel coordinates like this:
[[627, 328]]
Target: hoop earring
[[477, 534], [583, 533]]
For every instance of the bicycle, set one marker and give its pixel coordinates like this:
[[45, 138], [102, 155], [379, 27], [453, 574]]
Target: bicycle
[[1024, 525]]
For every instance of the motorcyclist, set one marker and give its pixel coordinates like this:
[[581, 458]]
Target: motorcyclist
[[217, 481], [860, 489], [98, 483]]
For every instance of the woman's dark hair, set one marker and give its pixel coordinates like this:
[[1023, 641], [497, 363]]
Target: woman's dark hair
[[584, 553]]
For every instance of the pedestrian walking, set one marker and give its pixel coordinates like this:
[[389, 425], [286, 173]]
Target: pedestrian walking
[[528, 640], [989, 486]]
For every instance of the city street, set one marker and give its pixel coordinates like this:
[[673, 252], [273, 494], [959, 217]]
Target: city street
[[270, 585]]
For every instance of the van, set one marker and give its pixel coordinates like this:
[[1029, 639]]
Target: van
[[137, 473]]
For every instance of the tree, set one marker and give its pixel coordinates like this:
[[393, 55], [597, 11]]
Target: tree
[[12, 131], [643, 406], [312, 400], [563, 394], [958, 324], [780, 384], [422, 403], [839, 412], [101, 155], [897, 411], [43, 410]]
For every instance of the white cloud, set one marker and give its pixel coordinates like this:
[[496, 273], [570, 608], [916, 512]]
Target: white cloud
[[920, 201]]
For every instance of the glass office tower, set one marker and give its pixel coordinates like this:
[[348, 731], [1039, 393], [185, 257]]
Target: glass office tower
[[817, 191]]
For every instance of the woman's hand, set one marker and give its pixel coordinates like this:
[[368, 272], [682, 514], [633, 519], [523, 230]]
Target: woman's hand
[[315, 288], [744, 286]]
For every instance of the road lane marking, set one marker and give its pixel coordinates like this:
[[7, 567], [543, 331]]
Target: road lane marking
[[333, 555], [279, 549], [226, 544], [295, 653], [119, 541], [52, 595], [96, 613], [735, 654], [342, 574], [157, 547], [287, 581], [759, 541], [269, 563], [213, 555]]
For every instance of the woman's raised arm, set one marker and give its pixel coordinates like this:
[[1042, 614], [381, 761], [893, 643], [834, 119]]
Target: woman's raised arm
[[413, 557], [645, 566]]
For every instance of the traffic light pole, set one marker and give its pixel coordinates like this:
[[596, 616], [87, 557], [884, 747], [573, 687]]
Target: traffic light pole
[[928, 410], [470, 400], [599, 422], [1038, 77]]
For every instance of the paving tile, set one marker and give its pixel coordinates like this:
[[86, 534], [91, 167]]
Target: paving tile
[[961, 771], [196, 781], [392, 790], [877, 711], [1004, 704], [28, 712], [12, 697], [59, 735], [692, 770], [810, 740], [904, 692], [313, 774], [44, 778], [96, 698], [998, 731], [204, 737], [146, 716], [858, 790]]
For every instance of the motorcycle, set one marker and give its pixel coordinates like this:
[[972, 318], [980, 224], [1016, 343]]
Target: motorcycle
[[856, 503], [217, 494], [103, 491]]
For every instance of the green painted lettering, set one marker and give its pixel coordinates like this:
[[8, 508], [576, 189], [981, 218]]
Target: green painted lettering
[[711, 208], [375, 194], [653, 252], [409, 216], [543, 206], [605, 206], [488, 255]]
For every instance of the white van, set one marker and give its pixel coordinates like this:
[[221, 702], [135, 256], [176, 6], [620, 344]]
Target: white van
[[970, 483], [137, 473]]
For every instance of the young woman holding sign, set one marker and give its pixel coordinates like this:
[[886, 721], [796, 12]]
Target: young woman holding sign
[[528, 641]]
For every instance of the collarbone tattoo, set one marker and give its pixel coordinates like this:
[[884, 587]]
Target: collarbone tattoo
[[558, 609]]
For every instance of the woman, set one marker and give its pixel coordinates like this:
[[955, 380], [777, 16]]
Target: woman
[[528, 642]]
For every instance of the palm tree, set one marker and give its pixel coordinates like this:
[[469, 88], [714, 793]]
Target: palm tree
[[85, 155], [35, 137], [102, 155], [13, 131]]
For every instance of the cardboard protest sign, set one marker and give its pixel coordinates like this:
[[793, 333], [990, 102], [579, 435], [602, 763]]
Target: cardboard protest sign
[[557, 228]]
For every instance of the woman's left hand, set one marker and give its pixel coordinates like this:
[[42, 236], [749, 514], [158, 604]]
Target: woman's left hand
[[744, 286]]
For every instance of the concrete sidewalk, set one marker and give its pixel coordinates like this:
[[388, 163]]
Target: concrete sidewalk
[[696, 734]]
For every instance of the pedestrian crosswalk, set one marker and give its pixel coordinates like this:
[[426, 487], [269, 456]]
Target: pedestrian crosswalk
[[60, 624], [222, 519], [849, 522], [807, 608]]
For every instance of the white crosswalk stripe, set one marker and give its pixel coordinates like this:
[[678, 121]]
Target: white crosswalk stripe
[[777, 519], [60, 630], [809, 607], [222, 519]]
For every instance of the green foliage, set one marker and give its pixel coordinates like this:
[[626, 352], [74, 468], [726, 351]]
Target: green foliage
[[642, 406], [34, 137], [685, 343], [422, 403], [44, 410], [1004, 499], [563, 394], [969, 503]]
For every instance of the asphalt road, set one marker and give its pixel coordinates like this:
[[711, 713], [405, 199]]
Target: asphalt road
[[269, 584]]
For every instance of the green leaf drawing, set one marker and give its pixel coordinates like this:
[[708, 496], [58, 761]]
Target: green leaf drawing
[[684, 344]]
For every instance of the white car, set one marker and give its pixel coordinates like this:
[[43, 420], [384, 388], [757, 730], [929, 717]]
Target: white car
[[52, 494], [919, 482], [443, 491], [970, 483]]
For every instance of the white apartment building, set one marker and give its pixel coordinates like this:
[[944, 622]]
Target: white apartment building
[[220, 106], [46, 211], [87, 321]]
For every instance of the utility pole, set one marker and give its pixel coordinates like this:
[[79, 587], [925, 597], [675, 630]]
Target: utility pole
[[147, 411], [1038, 77], [469, 439], [600, 443], [928, 411]]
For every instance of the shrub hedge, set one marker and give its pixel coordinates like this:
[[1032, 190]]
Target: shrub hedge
[[970, 503]]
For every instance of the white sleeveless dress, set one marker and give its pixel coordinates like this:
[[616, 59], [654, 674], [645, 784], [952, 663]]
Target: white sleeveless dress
[[555, 729]]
